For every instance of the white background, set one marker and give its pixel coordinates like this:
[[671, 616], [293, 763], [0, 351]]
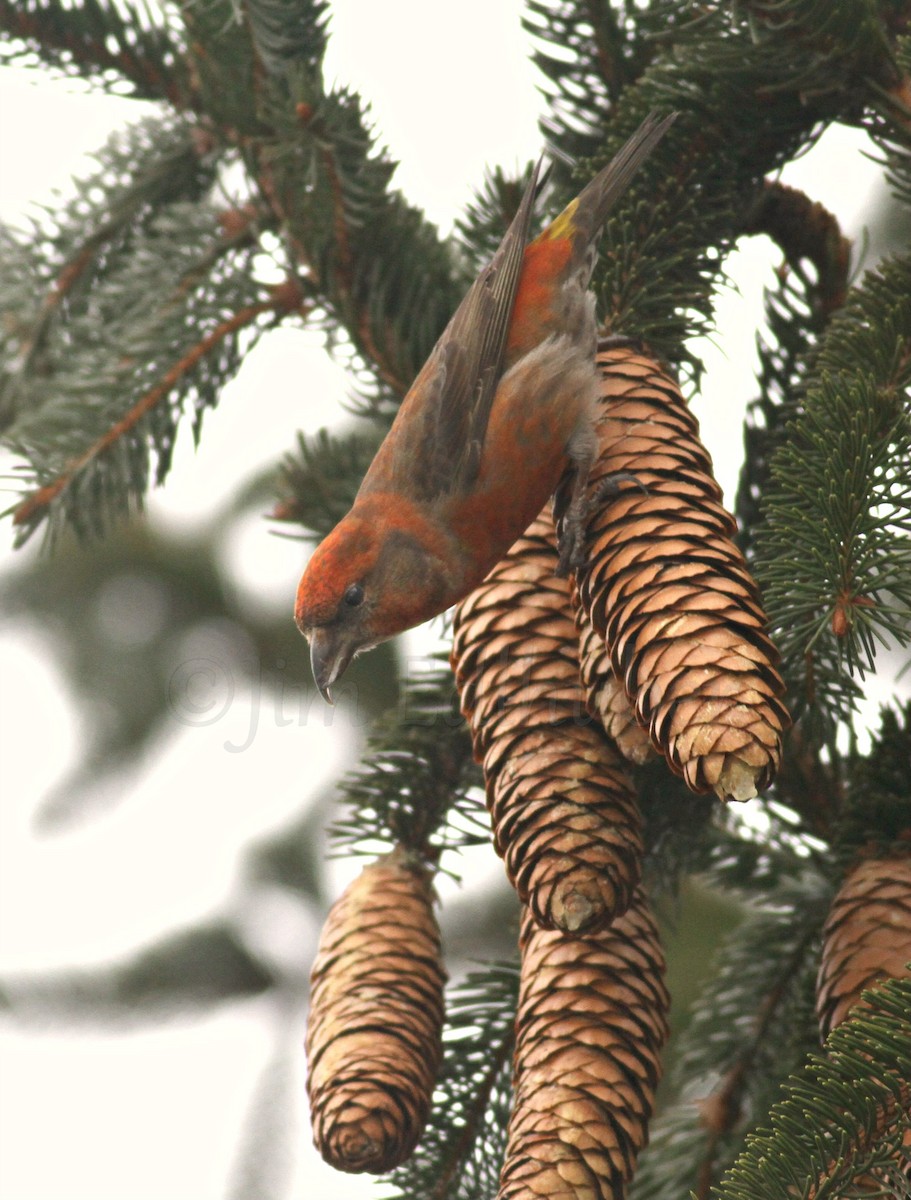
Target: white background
[[155, 1114]]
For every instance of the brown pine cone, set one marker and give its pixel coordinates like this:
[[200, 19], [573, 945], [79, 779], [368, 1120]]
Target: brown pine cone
[[590, 1028], [606, 697], [866, 937], [564, 814], [671, 594], [376, 1013]]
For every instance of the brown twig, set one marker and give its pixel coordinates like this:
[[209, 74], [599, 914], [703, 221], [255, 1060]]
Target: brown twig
[[721, 1110], [237, 225], [345, 274], [284, 299], [805, 229], [19, 24]]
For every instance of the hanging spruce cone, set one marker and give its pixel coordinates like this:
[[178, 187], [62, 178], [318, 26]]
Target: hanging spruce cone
[[376, 1013], [606, 697], [590, 1027], [866, 937], [669, 591], [564, 815]]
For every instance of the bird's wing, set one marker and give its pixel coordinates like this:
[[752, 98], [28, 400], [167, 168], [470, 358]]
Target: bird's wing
[[467, 361]]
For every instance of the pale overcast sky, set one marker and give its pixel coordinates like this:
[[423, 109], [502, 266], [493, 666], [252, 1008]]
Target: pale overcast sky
[[81, 1114]]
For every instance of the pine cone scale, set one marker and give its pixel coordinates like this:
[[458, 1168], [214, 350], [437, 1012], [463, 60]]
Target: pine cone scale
[[585, 1067], [671, 595], [564, 816], [374, 1032], [867, 935]]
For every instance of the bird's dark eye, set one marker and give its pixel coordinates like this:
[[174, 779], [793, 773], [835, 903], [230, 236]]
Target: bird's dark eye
[[354, 595]]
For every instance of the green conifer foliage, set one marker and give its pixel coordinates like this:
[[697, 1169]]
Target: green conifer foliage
[[125, 311]]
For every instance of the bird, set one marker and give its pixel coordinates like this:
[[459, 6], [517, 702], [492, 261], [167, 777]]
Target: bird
[[501, 411]]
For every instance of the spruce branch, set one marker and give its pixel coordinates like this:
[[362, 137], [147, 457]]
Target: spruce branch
[[795, 318], [743, 865], [830, 47], [589, 52], [460, 1152], [240, 228], [874, 815], [223, 64], [842, 1115], [417, 784], [812, 784], [372, 260], [108, 43], [283, 299], [733, 92], [730, 1062], [888, 121], [833, 554], [688, 835], [118, 372], [289, 35], [51, 268], [484, 222], [722, 1111], [378, 267], [318, 481]]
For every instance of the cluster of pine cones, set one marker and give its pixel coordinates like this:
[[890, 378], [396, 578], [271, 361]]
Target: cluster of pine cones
[[656, 647]]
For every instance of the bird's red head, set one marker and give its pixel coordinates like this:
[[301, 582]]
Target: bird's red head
[[331, 596], [373, 577]]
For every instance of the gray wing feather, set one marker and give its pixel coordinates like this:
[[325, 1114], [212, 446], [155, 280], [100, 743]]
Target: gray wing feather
[[468, 359]]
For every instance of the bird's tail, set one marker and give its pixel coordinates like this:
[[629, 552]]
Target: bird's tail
[[584, 217], [602, 193]]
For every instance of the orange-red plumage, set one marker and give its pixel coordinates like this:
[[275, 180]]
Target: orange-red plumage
[[502, 408], [533, 316]]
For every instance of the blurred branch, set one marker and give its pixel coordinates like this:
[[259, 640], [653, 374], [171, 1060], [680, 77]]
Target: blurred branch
[[284, 299], [196, 968]]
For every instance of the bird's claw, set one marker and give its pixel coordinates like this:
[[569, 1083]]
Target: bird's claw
[[609, 486], [571, 546], [571, 537]]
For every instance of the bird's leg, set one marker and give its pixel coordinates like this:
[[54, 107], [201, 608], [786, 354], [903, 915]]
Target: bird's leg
[[571, 536], [572, 504], [571, 512]]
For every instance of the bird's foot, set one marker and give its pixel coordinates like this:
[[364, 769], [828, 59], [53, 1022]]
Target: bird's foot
[[571, 545], [571, 537], [610, 486]]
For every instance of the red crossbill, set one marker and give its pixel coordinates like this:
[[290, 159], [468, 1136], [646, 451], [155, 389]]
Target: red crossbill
[[502, 408]]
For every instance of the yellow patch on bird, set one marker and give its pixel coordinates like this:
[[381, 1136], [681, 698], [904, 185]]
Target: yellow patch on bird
[[562, 226]]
